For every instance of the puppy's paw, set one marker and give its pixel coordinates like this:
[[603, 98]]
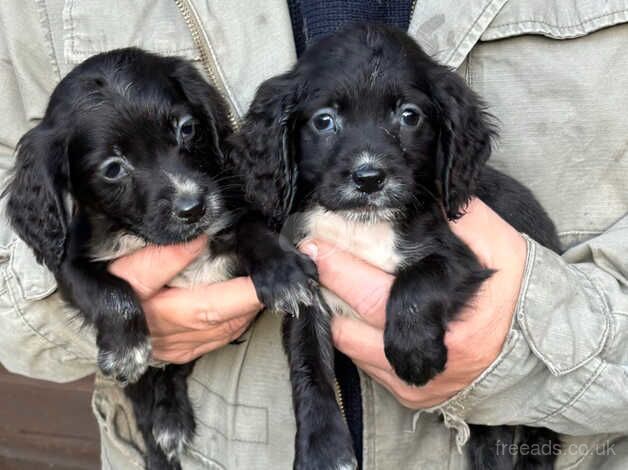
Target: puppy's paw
[[172, 437], [125, 357], [325, 444], [416, 356], [286, 282], [173, 427]]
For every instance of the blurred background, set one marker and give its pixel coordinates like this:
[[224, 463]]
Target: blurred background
[[46, 425]]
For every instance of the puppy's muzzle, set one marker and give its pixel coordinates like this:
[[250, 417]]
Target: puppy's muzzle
[[189, 207], [369, 179]]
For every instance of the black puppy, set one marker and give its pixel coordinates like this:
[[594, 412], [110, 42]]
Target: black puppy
[[371, 144], [132, 151]]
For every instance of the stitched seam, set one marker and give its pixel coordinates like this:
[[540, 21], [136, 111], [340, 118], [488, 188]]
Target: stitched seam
[[213, 464], [555, 26], [39, 334], [23, 294], [455, 405], [577, 395], [601, 342], [466, 34], [234, 406], [76, 51], [114, 439], [162, 51], [45, 24], [580, 232]]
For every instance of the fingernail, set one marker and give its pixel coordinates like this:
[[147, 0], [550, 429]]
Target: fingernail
[[206, 317], [309, 249]]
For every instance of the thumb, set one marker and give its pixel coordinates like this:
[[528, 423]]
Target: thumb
[[362, 286], [149, 269]]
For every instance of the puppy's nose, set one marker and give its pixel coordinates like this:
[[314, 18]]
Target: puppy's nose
[[369, 180], [189, 208]]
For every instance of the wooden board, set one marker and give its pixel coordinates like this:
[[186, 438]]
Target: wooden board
[[46, 425]]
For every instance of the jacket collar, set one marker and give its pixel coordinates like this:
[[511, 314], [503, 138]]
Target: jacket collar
[[252, 41], [249, 42], [448, 29]]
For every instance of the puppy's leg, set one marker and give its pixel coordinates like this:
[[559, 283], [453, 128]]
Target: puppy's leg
[[423, 299], [287, 281], [489, 447], [323, 440], [109, 303], [543, 439], [164, 414], [284, 278], [173, 415], [142, 397]]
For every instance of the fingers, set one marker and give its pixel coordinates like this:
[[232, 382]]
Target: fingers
[[199, 308], [361, 285], [149, 269], [360, 341], [180, 352], [490, 237]]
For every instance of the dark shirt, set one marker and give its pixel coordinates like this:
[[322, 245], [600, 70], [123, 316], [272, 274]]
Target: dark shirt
[[311, 20]]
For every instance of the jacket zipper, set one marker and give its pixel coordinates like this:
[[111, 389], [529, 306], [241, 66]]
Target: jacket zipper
[[412, 9], [202, 44], [339, 399]]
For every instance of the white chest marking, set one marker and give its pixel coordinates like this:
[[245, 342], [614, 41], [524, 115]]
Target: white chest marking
[[371, 242], [205, 269]]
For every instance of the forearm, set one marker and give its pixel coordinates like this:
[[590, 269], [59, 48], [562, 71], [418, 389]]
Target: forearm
[[565, 362]]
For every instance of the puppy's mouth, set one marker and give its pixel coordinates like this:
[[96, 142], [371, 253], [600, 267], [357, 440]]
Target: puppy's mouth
[[187, 221], [384, 205]]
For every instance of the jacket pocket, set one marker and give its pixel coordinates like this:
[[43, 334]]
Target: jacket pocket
[[33, 280], [93, 26], [557, 20]]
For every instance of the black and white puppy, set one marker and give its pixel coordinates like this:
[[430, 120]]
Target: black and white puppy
[[369, 143], [132, 151]]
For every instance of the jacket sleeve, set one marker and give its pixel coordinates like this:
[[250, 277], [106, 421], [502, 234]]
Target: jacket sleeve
[[565, 362], [40, 336]]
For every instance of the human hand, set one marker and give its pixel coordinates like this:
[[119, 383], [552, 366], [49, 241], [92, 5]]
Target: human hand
[[186, 323], [473, 340]]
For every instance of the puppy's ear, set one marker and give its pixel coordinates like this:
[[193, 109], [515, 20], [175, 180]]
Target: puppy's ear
[[36, 194], [202, 95], [264, 153], [464, 140]]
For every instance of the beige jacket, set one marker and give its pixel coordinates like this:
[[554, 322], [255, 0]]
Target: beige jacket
[[556, 75]]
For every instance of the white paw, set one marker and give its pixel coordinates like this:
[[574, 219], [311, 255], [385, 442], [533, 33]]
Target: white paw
[[171, 441], [126, 365], [291, 299]]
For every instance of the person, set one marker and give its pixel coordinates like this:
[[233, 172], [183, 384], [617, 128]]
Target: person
[[544, 344]]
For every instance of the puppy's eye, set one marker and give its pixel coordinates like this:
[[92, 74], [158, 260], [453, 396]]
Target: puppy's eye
[[186, 128], [410, 116], [114, 169], [324, 121]]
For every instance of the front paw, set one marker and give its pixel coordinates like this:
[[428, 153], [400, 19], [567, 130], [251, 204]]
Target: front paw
[[417, 356], [287, 282], [325, 445], [125, 356]]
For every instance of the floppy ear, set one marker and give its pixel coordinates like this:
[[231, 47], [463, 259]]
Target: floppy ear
[[35, 206], [464, 141], [201, 94], [264, 153]]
